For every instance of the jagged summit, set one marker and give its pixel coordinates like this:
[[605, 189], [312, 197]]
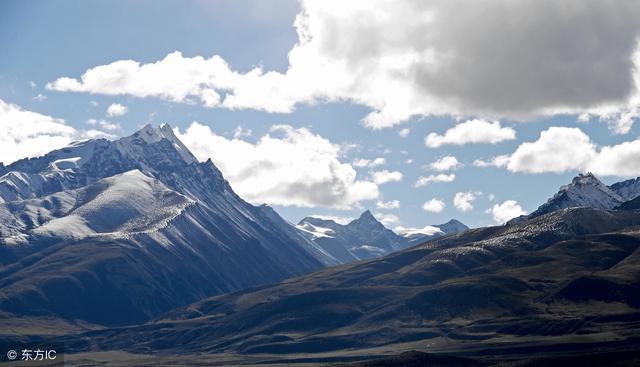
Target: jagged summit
[[366, 218], [628, 190], [366, 237], [150, 135], [172, 226], [584, 190], [585, 179]]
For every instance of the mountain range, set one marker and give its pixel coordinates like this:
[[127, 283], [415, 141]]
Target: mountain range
[[367, 238], [135, 248], [566, 282], [117, 232], [146, 211], [586, 190]]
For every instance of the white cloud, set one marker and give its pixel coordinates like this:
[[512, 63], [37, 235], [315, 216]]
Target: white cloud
[[388, 205], [558, 149], [425, 180], [416, 58], [337, 219], [116, 109], [506, 211], [428, 230], [386, 219], [240, 132], [563, 149], [384, 176], [434, 206], [463, 201], [445, 163], [472, 131], [288, 166], [107, 125], [362, 162], [404, 132], [96, 134], [30, 134], [40, 97], [27, 134], [498, 161]]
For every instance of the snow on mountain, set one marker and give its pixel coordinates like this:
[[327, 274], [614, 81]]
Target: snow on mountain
[[585, 190], [119, 205], [429, 232], [365, 237], [155, 153], [628, 190], [143, 199]]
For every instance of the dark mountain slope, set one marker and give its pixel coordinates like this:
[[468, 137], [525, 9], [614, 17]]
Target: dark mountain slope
[[563, 278], [120, 232]]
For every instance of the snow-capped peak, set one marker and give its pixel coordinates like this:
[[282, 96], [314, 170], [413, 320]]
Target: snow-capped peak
[[590, 191], [365, 217], [152, 135], [628, 190], [585, 190]]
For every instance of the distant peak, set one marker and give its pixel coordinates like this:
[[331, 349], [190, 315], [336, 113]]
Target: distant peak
[[367, 215], [586, 178], [366, 218]]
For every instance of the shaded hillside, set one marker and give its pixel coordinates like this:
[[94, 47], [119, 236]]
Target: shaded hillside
[[119, 232], [572, 276]]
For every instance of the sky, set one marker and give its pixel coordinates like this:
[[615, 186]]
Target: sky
[[418, 111]]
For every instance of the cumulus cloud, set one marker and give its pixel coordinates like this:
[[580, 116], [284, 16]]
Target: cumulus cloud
[[445, 163], [428, 230], [26, 134], [472, 131], [337, 219], [106, 125], [384, 176], [425, 180], [362, 162], [240, 132], [288, 166], [498, 161], [463, 201], [413, 58], [386, 219], [562, 149], [388, 205], [434, 206], [116, 109], [506, 211], [404, 132], [40, 97]]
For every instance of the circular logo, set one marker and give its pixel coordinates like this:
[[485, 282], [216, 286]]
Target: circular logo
[[12, 354]]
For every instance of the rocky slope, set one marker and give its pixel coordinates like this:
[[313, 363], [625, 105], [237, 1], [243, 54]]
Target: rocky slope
[[117, 232], [567, 280]]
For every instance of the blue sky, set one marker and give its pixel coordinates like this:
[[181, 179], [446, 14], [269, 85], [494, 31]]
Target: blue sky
[[41, 42]]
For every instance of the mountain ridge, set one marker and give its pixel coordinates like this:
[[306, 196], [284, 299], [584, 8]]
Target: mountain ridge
[[219, 242], [473, 292], [365, 237], [586, 190]]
